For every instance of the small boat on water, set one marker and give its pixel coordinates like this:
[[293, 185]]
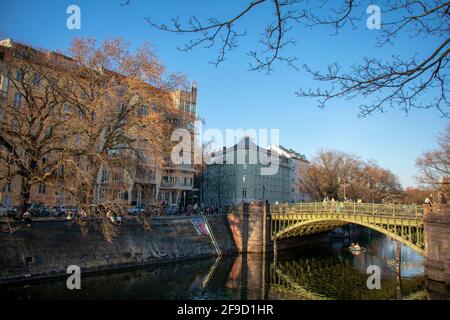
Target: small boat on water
[[357, 249]]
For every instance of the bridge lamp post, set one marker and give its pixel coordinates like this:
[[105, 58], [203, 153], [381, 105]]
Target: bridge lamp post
[[372, 189], [344, 185]]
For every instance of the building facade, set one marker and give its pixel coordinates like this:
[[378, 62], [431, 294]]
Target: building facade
[[145, 184], [298, 167], [149, 184], [229, 182]]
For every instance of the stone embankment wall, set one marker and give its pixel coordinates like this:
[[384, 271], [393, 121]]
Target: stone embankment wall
[[48, 247]]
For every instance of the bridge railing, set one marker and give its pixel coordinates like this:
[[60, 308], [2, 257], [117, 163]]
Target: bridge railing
[[376, 209]]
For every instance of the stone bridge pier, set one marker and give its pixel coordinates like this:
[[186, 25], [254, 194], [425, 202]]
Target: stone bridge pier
[[437, 239], [250, 227]]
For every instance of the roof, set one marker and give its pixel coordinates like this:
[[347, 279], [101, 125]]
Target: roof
[[289, 153]]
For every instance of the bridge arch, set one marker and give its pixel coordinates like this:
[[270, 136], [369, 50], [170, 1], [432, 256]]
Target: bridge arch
[[400, 222], [328, 224]]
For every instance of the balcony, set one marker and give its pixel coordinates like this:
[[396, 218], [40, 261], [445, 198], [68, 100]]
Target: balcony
[[175, 185], [181, 167], [144, 180]]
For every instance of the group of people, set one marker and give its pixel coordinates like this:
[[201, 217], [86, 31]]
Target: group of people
[[191, 209], [332, 200], [212, 210], [430, 199]]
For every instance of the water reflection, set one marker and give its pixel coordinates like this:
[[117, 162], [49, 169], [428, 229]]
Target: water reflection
[[335, 273], [327, 271]]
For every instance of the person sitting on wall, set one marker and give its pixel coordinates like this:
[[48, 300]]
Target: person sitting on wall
[[83, 214], [110, 216], [27, 218], [116, 218]]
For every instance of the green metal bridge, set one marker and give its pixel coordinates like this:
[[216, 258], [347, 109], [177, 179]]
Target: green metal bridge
[[403, 223]]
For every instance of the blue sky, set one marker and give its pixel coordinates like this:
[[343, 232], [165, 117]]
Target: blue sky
[[232, 97]]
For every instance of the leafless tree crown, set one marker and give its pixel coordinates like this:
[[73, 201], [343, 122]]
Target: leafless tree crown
[[405, 83]]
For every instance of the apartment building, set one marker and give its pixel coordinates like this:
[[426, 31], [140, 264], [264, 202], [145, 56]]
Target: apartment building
[[229, 182], [298, 166], [150, 184], [177, 181], [147, 183]]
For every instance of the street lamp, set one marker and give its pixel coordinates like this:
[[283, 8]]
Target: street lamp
[[344, 185], [372, 188]]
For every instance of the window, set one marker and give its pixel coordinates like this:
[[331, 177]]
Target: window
[[244, 193], [19, 75], [2, 56], [167, 179], [105, 176], [244, 178], [7, 187], [42, 188], [53, 82], [61, 171], [123, 195], [4, 84], [143, 111], [15, 125], [17, 99], [121, 107], [117, 176], [36, 79], [66, 110], [185, 182]]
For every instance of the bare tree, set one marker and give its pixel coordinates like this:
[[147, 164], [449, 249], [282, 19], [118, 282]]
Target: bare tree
[[72, 117], [216, 181], [434, 165], [127, 115], [415, 195], [33, 127], [323, 173], [405, 83], [341, 176], [203, 149]]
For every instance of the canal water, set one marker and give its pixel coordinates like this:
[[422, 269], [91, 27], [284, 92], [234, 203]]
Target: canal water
[[323, 271]]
